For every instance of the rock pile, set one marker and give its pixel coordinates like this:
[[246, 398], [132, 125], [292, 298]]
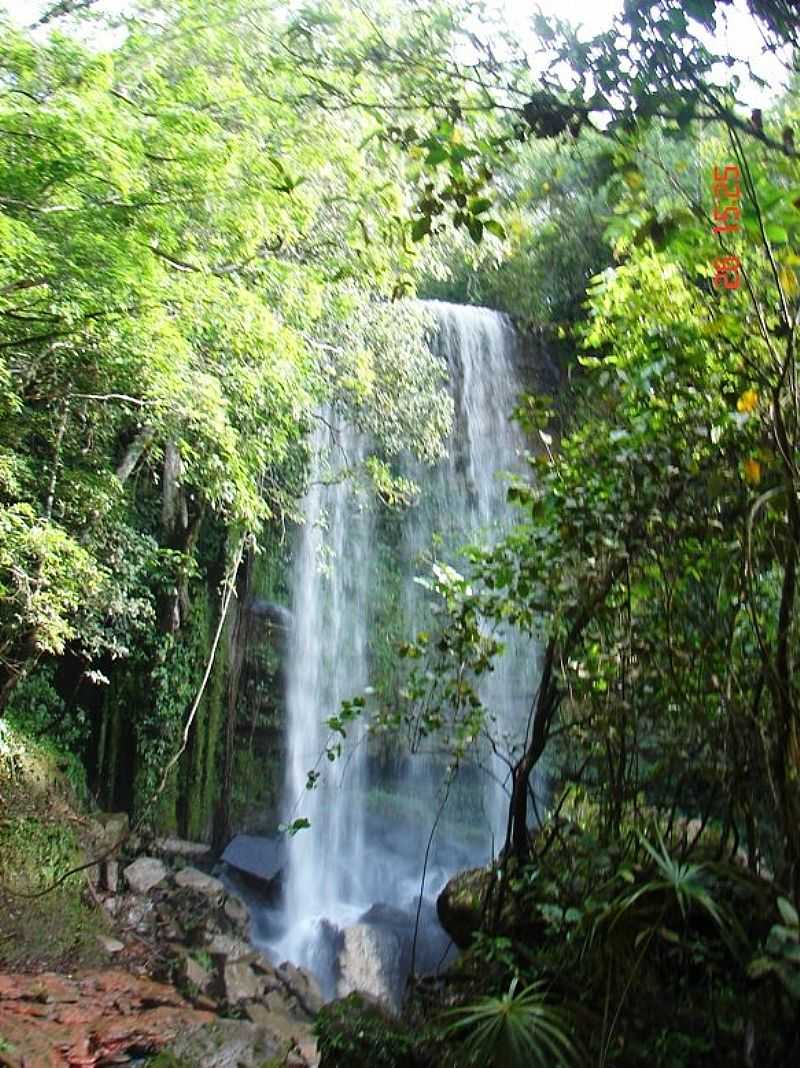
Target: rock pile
[[202, 929], [221, 1002]]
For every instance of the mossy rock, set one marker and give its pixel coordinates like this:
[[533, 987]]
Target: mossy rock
[[460, 905], [467, 905], [357, 1032]]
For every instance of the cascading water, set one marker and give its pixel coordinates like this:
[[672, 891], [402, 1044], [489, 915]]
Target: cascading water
[[351, 858], [327, 664], [465, 500]]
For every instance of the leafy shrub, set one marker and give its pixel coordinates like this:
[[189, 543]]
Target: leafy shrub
[[37, 712], [782, 951], [356, 1033]]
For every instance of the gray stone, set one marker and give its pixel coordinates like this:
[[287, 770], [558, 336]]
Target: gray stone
[[237, 912], [110, 945], [257, 1013], [180, 847], [227, 1044], [280, 1001], [136, 912], [370, 961], [263, 964], [198, 881], [112, 904], [240, 983], [144, 874], [111, 875], [303, 985], [232, 949], [194, 973], [288, 1030]]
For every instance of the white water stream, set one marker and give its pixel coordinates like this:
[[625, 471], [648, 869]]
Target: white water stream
[[351, 857]]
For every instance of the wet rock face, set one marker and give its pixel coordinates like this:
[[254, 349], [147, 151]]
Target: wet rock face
[[194, 852], [370, 960], [259, 861]]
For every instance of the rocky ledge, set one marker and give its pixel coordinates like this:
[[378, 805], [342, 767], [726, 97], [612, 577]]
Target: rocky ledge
[[217, 1001]]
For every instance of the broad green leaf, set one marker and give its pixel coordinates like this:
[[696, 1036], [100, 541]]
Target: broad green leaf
[[788, 912]]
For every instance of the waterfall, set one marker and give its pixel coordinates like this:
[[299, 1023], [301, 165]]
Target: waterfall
[[465, 501], [327, 664], [353, 858]]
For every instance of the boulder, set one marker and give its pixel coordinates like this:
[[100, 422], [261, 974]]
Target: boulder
[[240, 983], [258, 1013], [460, 905], [136, 912], [289, 1032], [461, 908], [198, 852], [145, 874], [269, 973], [196, 975], [370, 962], [303, 986], [232, 949], [237, 912], [227, 1044], [199, 882], [110, 945], [259, 861], [280, 1000]]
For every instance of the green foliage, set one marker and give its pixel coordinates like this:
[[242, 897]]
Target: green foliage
[[676, 882], [50, 850], [37, 712], [782, 951], [513, 1030], [357, 1033], [165, 1059], [248, 241], [556, 201]]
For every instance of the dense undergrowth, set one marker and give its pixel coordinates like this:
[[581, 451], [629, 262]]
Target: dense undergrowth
[[622, 954]]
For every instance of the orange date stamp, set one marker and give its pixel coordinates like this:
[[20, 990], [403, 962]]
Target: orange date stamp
[[726, 191]]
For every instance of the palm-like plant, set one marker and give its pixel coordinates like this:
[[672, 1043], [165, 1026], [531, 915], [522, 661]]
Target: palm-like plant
[[674, 880], [644, 909], [519, 1029]]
